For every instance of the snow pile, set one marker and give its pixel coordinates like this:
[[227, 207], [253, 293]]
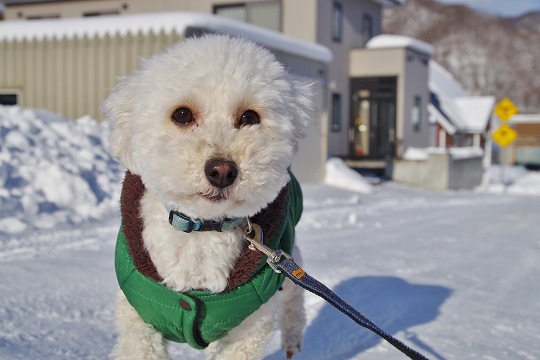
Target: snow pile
[[513, 180], [469, 152], [340, 175], [457, 153], [527, 185], [53, 170], [415, 154]]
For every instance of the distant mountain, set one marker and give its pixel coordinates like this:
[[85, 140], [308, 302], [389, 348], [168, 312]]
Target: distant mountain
[[489, 55], [531, 20]]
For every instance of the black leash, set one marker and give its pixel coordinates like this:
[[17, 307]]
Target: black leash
[[290, 269], [253, 234]]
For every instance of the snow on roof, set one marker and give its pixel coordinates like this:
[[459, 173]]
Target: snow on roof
[[19, 30], [475, 111], [467, 113], [399, 41], [468, 152], [525, 119], [442, 81]]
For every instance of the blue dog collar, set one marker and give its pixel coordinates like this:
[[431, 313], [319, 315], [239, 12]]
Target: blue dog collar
[[184, 223]]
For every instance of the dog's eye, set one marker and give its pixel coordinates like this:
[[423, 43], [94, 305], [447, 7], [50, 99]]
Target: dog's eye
[[249, 117], [182, 116]]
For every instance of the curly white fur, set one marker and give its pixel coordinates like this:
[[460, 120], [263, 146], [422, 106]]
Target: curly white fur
[[217, 78]]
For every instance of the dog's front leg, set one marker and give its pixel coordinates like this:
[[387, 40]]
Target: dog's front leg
[[246, 341], [136, 339], [293, 317]]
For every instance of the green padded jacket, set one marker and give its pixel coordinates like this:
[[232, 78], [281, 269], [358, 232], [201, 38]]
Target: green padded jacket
[[201, 317]]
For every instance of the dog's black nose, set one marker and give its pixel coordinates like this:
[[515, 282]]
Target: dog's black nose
[[220, 172]]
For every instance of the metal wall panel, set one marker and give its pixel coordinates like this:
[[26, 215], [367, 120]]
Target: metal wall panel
[[72, 76]]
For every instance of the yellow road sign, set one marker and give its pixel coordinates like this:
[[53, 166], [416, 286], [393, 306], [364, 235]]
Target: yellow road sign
[[505, 109], [504, 135]]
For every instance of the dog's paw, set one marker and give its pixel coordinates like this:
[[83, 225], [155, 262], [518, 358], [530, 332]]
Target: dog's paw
[[291, 348]]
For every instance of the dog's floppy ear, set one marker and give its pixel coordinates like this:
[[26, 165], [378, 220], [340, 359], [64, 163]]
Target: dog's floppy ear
[[302, 105], [118, 109]]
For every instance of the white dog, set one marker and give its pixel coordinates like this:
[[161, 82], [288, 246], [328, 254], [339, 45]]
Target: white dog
[[207, 131]]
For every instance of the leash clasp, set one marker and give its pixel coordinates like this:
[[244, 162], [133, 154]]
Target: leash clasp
[[253, 233]]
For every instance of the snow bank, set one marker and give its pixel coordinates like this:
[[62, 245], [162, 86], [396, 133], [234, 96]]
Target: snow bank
[[456, 153], [527, 185], [53, 170], [513, 180], [415, 154], [340, 175]]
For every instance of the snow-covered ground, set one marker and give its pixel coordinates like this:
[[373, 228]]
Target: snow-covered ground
[[455, 275]]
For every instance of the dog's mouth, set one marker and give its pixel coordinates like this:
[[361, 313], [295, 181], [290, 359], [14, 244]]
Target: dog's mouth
[[216, 195], [215, 198]]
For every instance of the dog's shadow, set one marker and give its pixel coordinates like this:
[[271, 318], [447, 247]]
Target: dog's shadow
[[391, 303]]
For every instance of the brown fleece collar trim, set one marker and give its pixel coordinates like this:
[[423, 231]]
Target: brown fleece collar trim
[[133, 190]]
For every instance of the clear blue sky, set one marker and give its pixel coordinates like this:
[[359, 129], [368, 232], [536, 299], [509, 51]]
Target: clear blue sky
[[499, 7]]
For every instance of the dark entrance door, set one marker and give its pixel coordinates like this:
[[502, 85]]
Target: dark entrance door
[[373, 123]]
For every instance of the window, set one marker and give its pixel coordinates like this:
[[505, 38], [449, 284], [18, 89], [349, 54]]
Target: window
[[8, 99], [336, 112], [367, 28], [235, 12], [101, 13], [416, 116], [266, 14], [41, 17], [337, 22]]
